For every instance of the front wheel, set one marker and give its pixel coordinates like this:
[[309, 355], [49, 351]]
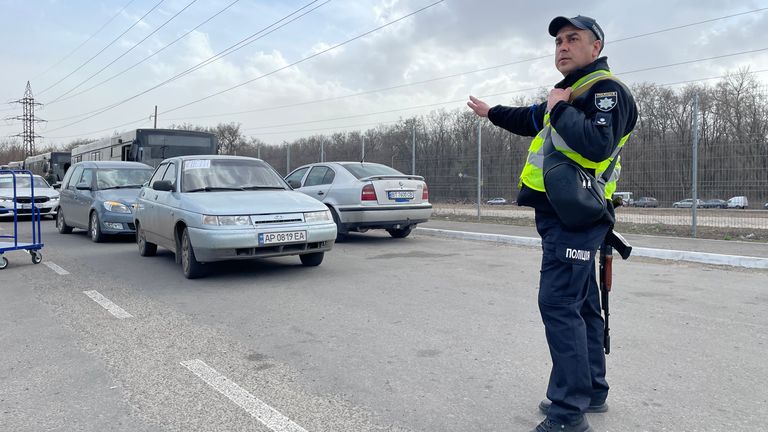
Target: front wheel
[[312, 259], [191, 267], [61, 224], [400, 232], [94, 228]]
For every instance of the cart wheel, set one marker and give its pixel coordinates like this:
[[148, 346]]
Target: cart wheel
[[3, 262], [37, 257]]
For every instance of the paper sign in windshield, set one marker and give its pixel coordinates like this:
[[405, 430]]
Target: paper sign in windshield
[[197, 164]]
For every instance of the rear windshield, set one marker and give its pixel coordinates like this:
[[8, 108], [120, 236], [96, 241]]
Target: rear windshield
[[361, 170]]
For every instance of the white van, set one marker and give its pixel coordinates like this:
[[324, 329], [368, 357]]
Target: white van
[[739, 202]]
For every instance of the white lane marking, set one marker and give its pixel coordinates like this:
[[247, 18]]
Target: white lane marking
[[56, 268], [107, 304], [264, 413]]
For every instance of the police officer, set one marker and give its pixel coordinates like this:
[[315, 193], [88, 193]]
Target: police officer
[[588, 116]]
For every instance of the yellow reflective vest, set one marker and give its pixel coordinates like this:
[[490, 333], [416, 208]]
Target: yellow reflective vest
[[533, 171]]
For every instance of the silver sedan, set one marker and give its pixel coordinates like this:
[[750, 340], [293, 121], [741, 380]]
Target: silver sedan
[[364, 195], [215, 208]]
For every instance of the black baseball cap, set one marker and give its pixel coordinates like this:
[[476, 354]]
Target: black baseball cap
[[582, 22]]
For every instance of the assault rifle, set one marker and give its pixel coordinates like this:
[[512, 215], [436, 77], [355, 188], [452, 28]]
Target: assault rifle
[[613, 240]]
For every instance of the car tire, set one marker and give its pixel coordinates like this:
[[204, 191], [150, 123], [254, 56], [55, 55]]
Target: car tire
[[94, 228], [146, 249], [61, 224], [400, 232], [341, 231], [312, 259], [191, 267]]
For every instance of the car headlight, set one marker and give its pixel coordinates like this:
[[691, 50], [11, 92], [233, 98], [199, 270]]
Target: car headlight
[[116, 207], [318, 216], [54, 198], [226, 220]]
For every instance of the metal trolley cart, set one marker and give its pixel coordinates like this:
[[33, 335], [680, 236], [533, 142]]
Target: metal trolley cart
[[21, 206]]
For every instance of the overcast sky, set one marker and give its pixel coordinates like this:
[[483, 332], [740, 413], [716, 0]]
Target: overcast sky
[[452, 40]]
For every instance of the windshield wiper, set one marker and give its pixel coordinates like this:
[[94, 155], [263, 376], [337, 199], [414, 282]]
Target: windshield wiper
[[129, 186], [257, 187], [211, 189]]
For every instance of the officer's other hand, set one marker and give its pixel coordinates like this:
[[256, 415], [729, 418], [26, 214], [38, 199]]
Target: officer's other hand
[[479, 107], [557, 95]]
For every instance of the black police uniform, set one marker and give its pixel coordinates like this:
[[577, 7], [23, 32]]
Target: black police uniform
[[568, 291]]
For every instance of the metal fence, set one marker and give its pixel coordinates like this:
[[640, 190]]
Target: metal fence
[[681, 148]]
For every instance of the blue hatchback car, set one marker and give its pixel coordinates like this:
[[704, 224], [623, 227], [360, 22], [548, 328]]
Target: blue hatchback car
[[98, 196]]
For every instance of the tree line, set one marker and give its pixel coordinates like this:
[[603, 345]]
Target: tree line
[[657, 160]]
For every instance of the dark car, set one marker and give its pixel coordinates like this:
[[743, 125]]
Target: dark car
[[649, 202], [98, 196], [715, 203]]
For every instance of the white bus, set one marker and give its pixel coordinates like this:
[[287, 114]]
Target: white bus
[[149, 146]]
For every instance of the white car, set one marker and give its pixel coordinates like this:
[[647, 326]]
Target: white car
[[739, 202], [364, 195], [46, 197], [216, 208]]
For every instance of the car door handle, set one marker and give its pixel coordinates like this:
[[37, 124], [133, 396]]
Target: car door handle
[[321, 193]]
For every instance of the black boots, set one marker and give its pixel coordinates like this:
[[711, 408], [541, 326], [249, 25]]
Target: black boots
[[549, 425]]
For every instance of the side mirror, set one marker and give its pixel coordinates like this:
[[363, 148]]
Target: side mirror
[[83, 186], [163, 185], [294, 184]]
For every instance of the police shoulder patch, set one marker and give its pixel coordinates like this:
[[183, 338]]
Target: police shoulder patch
[[606, 101]]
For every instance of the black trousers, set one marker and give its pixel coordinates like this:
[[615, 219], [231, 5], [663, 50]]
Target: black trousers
[[569, 302]]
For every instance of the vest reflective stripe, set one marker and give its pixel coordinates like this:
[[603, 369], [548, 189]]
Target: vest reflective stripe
[[533, 174]]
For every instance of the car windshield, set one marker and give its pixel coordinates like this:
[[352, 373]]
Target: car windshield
[[362, 170], [22, 181], [203, 175], [116, 178]]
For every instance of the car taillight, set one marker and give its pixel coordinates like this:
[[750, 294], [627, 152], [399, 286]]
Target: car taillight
[[425, 193], [368, 194]]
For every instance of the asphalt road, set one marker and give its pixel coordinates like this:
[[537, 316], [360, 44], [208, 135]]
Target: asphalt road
[[418, 334]]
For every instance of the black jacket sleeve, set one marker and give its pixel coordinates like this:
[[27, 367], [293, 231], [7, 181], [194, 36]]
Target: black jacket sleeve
[[526, 121], [607, 113]]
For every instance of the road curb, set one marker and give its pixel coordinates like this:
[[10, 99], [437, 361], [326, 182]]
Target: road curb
[[665, 254]]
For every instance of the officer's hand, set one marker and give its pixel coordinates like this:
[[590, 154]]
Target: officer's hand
[[479, 107], [557, 95]]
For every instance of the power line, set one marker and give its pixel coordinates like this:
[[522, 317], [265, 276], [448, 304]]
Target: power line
[[305, 58], [445, 103], [497, 94], [147, 57], [250, 39], [485, 69], [85, 41], [454, 75], [103, 49], [125, 53]]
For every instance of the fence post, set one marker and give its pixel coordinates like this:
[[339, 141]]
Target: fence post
[[413, 150], [479, 166], [287, 159], [695, 164]]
